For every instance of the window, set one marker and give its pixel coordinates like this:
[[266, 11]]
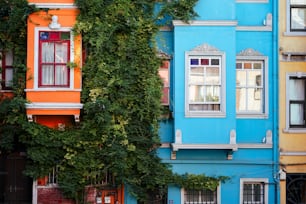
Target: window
[[296, 102], [295, 188], [253, 191], [204, 196], [298, 15], [250, 86], [54, 54], [6, 74], [164, 74], [205, 84]]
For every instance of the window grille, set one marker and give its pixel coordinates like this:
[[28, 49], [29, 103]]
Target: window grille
[[204, 196], [254, 193], [52, 177]]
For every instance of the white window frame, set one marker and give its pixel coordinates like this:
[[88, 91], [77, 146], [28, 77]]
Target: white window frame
[[252, 1], [36, 58], [288, 22], [218, 195], [287, 128], [254, 180], [265, 88], [222, 111]]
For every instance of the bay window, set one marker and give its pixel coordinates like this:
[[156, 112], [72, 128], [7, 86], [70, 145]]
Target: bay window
[[205, 84], [54, 55]]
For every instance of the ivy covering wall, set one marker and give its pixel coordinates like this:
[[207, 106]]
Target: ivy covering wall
[[121, 96]]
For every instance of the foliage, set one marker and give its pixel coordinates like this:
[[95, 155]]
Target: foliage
[[121, 95]]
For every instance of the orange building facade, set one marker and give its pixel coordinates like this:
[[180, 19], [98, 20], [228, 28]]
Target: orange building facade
[[54, 85]]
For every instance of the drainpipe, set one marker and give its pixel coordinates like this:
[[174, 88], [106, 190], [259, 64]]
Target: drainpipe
[[275, 89]]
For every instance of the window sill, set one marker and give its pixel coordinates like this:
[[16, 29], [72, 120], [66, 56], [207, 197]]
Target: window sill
[[205, 115], [295, 130], [293, 34], [252, 116], [52, 89]]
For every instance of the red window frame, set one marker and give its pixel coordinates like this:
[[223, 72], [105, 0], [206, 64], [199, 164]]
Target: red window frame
[[56, 38], [4, 68]]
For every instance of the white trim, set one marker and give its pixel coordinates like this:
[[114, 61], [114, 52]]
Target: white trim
[[254, 146], [254, 28], [252, 1], [55, 5], [266, 186], [53, 90], [250, 54], [55, 106], [34, 192], [292, 153], [204, 23], [176, 146], [206, 50], [287, 129], [36, 57]]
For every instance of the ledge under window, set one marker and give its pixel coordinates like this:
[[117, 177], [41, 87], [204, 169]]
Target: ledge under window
[[231, 147], [294, 56]]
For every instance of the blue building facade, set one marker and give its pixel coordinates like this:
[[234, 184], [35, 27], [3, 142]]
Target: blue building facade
[[223, 100]]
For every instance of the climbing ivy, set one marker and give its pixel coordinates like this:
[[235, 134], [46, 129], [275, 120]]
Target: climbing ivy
[[121, 94]]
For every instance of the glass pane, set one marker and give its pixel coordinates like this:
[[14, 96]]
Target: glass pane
[[164, 75], [296, 114], [212, 94], [241, 78], [297, 89], [9, 58], [61, 54], [257, 192], [247, 65], [44, 35], [196, 70], [298, 18], [196, 79], [194, 61], [254, 78], [215, 61], [47, 52], [54, 35], [254, 99], [257, 65], [8, 77], [196, 93], [47, 75], [241, 99], [247, 192], [212, 74], [204, 61], [65, 36], [238, 65], [61, 75]]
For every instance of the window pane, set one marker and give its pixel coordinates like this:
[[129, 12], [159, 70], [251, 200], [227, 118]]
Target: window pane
[[212, 93], [8, 77], [298, 18], [254, 99], [204, 61], [9, 58], [213, 76], [196, 93], [197, 79], [194, 61], [297, 89], [241, 99], [47, 75], [47, 52], [61, 73], [296, 114], [254, 78], [241, 78], [61, 54], [196, 70], [215, 62]]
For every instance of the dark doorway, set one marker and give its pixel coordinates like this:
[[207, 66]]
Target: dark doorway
[[15, 187]]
